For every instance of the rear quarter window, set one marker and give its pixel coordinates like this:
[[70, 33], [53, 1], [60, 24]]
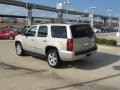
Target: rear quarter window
[[79, 31], [59, 31]]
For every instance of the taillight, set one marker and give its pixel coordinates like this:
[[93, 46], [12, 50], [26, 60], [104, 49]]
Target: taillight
[[69, 44]]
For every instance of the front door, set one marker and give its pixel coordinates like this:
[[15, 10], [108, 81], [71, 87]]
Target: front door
[[30, 39]]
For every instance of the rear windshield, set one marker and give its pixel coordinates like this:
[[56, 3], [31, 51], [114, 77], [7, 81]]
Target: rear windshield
[[79, 31], [59, 31]]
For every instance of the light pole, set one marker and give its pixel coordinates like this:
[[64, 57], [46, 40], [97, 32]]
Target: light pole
[[109, 14], [59, 8], [119, 26], [92, 15], [26, 12], [97, 21], [78, 18], [66, 3], [118, 32]]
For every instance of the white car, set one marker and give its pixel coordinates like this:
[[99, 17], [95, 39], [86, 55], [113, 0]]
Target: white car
[[57, 42], [97, 30]]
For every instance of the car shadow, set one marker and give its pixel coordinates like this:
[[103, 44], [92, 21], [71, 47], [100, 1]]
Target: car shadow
[[96, 61]]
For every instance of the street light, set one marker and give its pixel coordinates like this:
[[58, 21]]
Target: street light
[[97, 21], [92, 15], [119, 22], [78, 18], [118, 32], [109, 14], [59, 8], [66, 3], [27, 21]]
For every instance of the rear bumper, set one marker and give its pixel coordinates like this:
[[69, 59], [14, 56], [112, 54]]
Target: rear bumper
[[72, 56], [86, 51]]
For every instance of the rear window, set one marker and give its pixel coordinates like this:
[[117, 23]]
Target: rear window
[[79, 31], [59, 31]]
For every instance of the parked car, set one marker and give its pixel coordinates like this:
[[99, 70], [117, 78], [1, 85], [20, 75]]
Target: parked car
[[16, 30], [109, 30], [104, 30], [97, 30], [117, 29], [8, 33], [57, 42]]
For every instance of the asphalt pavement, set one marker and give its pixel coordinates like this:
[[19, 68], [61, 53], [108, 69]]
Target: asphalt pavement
[[98, 72]]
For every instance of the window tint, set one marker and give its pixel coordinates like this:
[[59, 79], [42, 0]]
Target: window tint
[[32, 31], [79, 31], [43, 31], [59, 31]]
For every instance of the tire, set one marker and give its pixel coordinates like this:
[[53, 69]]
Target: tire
[[11, 37], [53, 58], [19, 50]]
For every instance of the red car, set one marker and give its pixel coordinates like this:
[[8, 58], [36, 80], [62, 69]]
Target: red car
[[8, 33]]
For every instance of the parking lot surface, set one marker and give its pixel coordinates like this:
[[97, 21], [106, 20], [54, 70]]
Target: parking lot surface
[[98, 72]]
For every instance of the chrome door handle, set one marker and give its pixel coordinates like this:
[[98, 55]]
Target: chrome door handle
[[44, 40], [32, 39]]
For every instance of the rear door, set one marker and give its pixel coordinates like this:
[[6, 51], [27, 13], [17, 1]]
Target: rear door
[[41, 40], [83, 37], [59, 36]]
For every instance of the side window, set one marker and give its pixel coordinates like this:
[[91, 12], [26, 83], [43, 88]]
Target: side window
[[43, 31], [59, 31], [32, 31]]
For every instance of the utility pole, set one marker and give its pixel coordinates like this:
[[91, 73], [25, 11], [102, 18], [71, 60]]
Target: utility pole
[[26, 12], [66, 3], [92, 15], [59, 8], [109, 14]]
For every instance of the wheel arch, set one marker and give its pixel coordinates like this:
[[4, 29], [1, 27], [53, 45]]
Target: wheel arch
[[17, 42], [11, 35], [49, 48]]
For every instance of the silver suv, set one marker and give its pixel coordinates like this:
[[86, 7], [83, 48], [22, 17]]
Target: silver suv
[[58, 42]]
